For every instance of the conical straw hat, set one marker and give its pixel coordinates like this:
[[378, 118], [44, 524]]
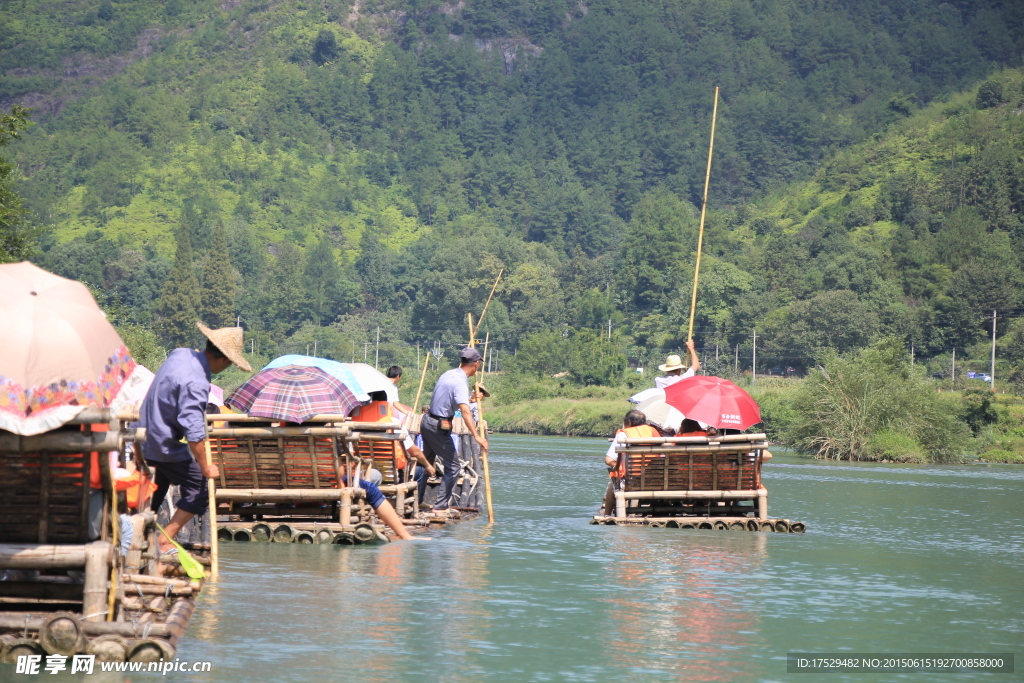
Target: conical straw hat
[[230, 341]]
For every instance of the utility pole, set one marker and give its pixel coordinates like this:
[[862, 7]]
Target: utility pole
[[609, 329], [737, 370], [376, 353], [911, 354], [366, 347], [417, 354], [992, 373], [716, 351], [753, 362], [315, 342]]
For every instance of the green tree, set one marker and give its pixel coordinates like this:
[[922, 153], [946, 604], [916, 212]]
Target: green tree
[[662, 233], [219, 286], [326, 293], [283, 291], [177, 309], [374, 266], [17, 237]]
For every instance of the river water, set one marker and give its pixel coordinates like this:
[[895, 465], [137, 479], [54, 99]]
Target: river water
[[895, 559]]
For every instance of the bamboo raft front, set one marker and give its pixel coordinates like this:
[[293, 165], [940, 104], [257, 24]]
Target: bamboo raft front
[[281, 483], [694, 482], [65, 587]]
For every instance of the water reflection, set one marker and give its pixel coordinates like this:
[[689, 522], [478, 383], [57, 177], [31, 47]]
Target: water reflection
[[684, 609]]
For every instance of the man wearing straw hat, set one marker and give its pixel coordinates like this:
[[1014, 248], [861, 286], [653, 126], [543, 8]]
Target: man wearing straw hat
[[673, 368], [174, 411]]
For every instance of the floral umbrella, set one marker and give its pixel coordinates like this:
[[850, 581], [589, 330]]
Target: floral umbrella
[[58, 353]]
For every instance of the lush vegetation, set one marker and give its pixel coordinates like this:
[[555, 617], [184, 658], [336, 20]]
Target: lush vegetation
[[331, 174]]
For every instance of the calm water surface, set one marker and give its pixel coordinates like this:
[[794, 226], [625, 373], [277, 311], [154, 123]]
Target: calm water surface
[[896, 559]]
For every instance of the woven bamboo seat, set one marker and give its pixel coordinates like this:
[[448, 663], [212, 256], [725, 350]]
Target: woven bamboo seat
[[692, 470], [382, 455], [42, 499]]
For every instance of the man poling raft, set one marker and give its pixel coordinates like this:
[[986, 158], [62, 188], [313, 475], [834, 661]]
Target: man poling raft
[[175, 409], [451, 393]]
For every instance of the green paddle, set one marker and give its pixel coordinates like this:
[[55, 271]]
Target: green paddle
[[189, 564]]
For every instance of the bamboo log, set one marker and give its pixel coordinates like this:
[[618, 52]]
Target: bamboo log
[[283, 534], [93, 415], [69, 442], [150, 650], [109, 648], [62, 634], [133, 559], [147, 580], [324, 536], [38, 556], [94, 597], [288, 495], [241, 536], [693, 495], [20, 621], [153, 589], [336, 421], [262, 533], [728, 438], [305, 537], [20, 647], [344, 538], [696, 449]]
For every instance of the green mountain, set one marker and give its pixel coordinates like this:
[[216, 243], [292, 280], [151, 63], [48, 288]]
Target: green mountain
[[377, 163]]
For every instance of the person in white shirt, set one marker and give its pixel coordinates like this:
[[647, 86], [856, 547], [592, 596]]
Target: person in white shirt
[[673, 368]]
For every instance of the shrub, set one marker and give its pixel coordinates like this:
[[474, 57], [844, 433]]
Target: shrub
[[999, 455], [854, 407], [894, 446]]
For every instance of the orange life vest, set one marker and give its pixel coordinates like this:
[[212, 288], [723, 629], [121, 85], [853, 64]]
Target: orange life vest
[[641, 432], [380, 411]]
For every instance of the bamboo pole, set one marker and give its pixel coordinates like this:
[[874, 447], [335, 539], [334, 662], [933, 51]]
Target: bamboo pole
[[473, 330], [703, 213], [480, 429], [419, 391], [212, 524]]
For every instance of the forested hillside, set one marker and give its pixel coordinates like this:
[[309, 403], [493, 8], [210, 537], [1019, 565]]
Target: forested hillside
[[322, 169]]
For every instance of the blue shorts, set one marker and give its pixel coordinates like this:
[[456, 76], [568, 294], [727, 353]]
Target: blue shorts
[[195, 494]]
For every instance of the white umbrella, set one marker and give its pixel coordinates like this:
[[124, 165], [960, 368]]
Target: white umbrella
[[372, 380]]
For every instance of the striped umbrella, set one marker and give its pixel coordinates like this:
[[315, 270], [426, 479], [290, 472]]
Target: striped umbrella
[[292, 393]]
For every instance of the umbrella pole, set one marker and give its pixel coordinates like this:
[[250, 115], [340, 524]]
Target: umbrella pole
[[480, 429], [703, 213], [214, 541]]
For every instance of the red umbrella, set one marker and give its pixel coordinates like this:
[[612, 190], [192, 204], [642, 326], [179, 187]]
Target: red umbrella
[[714, 401]]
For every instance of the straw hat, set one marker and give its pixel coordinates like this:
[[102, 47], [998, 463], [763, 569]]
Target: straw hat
[[483, 390], [673, 362], [230, 341]]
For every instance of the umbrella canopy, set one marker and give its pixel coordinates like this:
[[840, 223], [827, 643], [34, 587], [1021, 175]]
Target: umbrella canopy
[[292, 393], [372, 380], [658, 411], [331, 367], [713, 400], [58, 353]]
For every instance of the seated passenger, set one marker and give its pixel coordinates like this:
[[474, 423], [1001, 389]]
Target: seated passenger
[[673, 368], [634, 426]]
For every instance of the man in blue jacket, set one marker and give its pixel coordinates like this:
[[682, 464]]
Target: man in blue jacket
[[175, 410]]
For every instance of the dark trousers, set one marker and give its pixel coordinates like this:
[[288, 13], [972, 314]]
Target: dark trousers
[[438, 444], [195, 496]]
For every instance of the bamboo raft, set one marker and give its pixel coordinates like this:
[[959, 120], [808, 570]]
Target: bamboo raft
[[281, 483], [694, 482], [63, 591]]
